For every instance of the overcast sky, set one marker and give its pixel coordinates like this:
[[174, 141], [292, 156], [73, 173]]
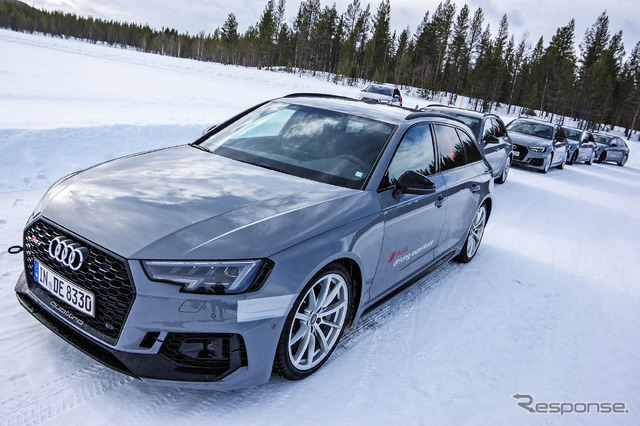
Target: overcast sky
[[533, 18]]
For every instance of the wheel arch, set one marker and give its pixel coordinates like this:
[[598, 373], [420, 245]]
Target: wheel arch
[[489, 203], [355, 273]]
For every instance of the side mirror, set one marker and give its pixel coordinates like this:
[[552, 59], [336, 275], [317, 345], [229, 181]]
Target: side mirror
[[491, 139], [208, 129], [411, 182]]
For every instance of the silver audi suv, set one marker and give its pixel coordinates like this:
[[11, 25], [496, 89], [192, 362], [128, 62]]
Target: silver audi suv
[[251, 250]]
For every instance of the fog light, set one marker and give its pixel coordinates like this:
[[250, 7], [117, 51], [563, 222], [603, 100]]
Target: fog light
[[203, 349], [214, 348]]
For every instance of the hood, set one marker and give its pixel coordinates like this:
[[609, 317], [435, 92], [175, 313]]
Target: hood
[[528, 140], [184, 203]]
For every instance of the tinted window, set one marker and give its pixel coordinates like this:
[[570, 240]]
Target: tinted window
[[450, 148], [501, 131], [312, 143], [473, 122], [489, 129], [470, 148], [606, 140], [381, 90], [573, 134], [415, 152], [540, 130]]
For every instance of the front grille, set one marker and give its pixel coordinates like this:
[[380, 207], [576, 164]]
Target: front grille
[[103, 273], [189, 350], [522, 150]]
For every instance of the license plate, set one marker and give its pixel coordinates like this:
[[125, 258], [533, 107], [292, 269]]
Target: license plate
[[76, 296]]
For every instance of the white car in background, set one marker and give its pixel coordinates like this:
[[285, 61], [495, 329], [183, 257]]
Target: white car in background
[[381, 93]]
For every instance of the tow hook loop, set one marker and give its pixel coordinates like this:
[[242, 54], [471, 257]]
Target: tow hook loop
[[15, 249]]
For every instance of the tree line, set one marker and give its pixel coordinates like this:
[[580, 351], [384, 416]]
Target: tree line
[[451, 50]]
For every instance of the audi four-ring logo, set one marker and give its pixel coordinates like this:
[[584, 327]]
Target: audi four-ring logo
[[67, 252]]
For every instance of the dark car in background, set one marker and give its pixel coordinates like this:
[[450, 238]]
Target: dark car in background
[[491, 134], [251, 250], [538, 144], [381, 93], [582, 146], [611, 149]]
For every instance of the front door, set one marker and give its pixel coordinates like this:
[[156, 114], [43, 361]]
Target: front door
[[412, 223]]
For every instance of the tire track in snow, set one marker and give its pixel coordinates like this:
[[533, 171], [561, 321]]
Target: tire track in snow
[[395, 306], [59, 396]]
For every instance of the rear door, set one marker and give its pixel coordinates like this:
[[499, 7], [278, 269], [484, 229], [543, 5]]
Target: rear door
[[497, 153], [492, 151], [616, 152], [464, 178], [587, 147], [412, 223]]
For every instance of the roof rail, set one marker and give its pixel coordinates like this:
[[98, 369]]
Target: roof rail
[[432, 115], [315, 95]]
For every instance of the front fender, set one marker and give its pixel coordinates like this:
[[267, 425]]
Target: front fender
[[359, 241]]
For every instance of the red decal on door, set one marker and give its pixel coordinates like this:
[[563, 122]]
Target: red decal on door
[[398, 253]]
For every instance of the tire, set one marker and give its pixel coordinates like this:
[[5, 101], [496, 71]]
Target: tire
[[573, 158], [547, 164], [603, 157], [505, 172], [592, 158], [561, 165], [315, 324], [474, 236], [623, 161]]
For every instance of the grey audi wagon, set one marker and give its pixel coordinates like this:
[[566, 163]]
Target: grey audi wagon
[[251, 250], [538, 144]]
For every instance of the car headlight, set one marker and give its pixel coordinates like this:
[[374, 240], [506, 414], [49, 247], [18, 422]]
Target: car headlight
[[537, 148], [205, 277]]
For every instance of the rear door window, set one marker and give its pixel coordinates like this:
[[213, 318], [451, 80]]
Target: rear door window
[[450, 148], [470, 148]]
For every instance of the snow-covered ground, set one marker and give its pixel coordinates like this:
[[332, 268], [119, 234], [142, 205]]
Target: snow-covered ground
[[550, 307]]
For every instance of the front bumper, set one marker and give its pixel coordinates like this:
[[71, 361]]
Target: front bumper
[[165, 335], [523, 156]]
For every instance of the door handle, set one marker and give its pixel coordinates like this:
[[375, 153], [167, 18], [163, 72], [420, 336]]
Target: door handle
[[439, 201], [475, 187]]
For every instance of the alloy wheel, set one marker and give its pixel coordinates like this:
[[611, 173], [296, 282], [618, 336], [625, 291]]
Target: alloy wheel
[[477, 231], [318, 322]]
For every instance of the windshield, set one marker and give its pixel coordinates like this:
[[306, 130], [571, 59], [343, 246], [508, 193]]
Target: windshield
[[540, 130], [472, 122], [381, 90], [312, 143], [573, 134], [603, 139]]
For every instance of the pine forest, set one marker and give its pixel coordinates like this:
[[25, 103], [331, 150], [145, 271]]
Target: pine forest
[[451, 50]]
